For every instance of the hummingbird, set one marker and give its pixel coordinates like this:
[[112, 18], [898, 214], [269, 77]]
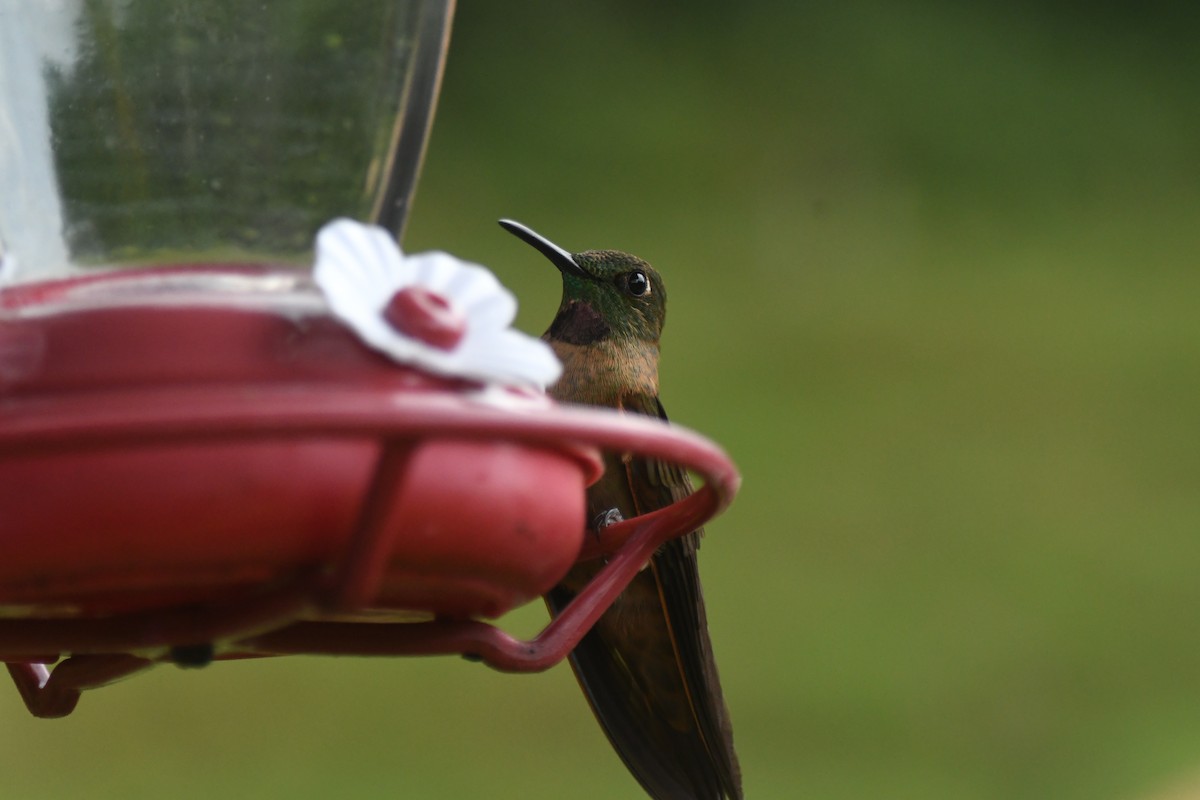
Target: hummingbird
[[647, 666]]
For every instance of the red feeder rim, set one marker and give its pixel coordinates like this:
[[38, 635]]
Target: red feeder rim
[[129, 381]]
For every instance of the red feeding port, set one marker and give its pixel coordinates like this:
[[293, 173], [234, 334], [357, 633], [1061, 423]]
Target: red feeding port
[[200, 463]]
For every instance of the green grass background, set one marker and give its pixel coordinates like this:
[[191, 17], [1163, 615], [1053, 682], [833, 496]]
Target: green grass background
[[933, 284]]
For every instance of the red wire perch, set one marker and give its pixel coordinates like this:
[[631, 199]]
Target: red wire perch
[[279, 621]]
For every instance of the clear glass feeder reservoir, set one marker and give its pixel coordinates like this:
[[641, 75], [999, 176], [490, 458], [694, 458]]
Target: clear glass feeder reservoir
[[150, 132]]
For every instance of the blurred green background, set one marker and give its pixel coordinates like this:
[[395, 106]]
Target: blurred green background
[[933, 285]]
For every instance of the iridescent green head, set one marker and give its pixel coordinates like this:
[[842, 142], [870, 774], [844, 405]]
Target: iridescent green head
[[607, 294]]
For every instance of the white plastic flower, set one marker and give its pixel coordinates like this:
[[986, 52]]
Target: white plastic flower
[[8, 267], [430, 309]]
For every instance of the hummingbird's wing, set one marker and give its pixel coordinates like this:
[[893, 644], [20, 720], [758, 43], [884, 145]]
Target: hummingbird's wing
[[647, 666]]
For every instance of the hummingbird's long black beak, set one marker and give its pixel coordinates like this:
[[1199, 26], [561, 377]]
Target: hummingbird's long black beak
[[558, 257]]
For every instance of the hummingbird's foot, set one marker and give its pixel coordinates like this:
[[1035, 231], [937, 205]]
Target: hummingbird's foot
[[603, 520], [606, 518]]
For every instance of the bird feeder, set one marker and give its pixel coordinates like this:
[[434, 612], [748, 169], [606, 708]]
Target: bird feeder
[[205, 452]]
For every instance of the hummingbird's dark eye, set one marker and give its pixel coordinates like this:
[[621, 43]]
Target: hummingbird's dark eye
[[636, 283]]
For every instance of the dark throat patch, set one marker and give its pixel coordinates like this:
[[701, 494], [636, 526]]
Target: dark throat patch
[[578, 323]]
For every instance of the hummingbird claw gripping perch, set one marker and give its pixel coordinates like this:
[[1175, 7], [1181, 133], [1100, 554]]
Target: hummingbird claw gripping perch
[[607, 518]]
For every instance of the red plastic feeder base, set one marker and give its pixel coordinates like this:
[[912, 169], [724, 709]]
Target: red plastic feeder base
[[200, 463]]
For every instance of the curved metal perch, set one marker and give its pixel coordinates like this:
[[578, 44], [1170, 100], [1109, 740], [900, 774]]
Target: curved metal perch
[[287, 619]]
